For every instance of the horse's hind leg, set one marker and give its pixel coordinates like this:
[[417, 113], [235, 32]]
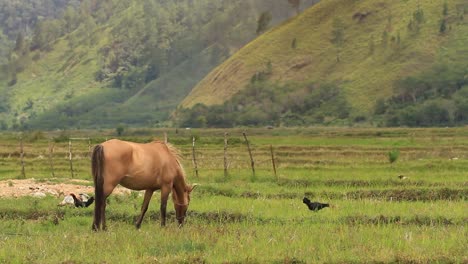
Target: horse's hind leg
[[144, 207], [100, 214], [103, 213]]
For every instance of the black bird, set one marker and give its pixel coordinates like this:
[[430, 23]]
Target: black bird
[[314, 206], [79, 202]]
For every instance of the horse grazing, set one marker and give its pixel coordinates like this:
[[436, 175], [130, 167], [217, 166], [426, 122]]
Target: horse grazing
[[150, 167]]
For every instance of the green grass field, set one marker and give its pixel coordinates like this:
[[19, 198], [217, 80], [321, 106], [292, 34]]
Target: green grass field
[[375, 217]]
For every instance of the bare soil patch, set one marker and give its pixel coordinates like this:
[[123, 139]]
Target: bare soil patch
[[32, 187]]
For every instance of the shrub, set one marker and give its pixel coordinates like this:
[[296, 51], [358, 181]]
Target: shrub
[[393, 155], [34, 136], [63, 137], [380, 107], [443, 26], [119, 130]]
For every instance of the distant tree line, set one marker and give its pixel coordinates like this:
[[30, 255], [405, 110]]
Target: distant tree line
[[437, 97], [265, 104]]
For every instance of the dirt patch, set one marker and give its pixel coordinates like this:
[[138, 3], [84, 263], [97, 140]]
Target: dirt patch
[[32, 187]]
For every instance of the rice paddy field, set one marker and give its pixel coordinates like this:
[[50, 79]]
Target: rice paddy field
[[236, 216]]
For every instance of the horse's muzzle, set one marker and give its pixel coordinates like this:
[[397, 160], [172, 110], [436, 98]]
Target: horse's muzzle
[[180, 220]]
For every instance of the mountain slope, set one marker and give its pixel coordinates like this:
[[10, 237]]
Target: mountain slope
[[380, 43], [132, 62]]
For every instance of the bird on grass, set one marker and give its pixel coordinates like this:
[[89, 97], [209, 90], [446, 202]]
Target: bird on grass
[[82, 201], [314, 206], [402, 177]]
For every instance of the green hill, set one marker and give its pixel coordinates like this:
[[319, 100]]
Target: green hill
[[105, 63], [369, 51]]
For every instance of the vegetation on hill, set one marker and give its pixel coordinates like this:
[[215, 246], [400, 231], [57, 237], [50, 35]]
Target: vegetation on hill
[[101, 63], [397, 63], [20, 17], [271, 105], [18, 20]]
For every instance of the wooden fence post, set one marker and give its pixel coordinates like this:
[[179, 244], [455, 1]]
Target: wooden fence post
[[23, 173], [165, 137], [225, 155], [89, 148], [70, 157], [252, 163], [273, 161], [51, 159], [194, 158]]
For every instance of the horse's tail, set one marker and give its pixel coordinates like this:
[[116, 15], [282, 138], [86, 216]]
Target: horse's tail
[[97, 161]]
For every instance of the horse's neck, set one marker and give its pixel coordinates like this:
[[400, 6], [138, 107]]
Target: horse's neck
[[179, 187]]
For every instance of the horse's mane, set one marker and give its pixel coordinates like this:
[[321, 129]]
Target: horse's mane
[[177, 154], [174, 151]]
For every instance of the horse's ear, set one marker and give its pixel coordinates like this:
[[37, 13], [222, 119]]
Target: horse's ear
[[190, 188]]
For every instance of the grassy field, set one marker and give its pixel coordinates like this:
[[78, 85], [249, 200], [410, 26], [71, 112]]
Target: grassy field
[[375, 217]]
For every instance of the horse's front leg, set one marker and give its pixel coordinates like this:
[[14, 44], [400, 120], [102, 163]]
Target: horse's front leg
[[165, 191], [144, 207]]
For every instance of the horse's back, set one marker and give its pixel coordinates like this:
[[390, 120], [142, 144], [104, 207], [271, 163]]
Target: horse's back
[[139, 166], [118, 152]]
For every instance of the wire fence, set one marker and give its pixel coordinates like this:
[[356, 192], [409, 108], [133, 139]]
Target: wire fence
[[73, 157]]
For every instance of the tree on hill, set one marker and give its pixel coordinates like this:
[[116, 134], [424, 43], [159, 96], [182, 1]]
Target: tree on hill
[[296, 4], [443, 21], [443, 25], [20, 43], [45, 33], [5, 48], [338, 36], [416, 21], [262, 22], [71, 18]]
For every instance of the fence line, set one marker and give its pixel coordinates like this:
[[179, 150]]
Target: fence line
[[23, 173], [252, 163], [273, 161], [194, 158], [225, 155], [212, 158], [51, 160], [70, 155]]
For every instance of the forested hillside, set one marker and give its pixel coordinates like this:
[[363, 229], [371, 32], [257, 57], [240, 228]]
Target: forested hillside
[[385, 63], [103, 63], [18, 19]]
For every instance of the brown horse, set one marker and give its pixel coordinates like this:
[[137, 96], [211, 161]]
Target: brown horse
[[150, 167]]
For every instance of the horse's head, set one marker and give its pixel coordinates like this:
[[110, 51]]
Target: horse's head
[[181, 205]]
